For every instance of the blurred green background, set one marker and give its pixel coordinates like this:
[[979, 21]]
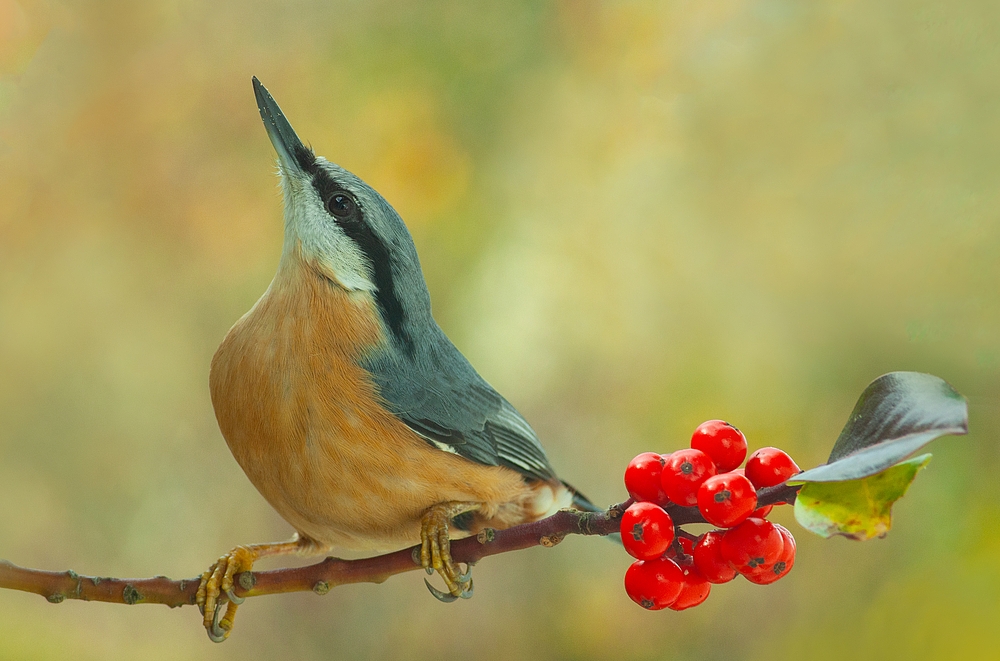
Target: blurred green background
[[633, 216]]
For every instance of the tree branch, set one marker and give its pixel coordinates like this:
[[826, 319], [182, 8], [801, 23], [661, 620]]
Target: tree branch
[[323, 576]]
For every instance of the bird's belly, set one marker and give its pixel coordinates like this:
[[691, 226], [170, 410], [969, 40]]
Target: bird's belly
[[304, 422], [368, 493]]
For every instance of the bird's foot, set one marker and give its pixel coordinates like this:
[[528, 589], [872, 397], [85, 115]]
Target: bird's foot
[[218, 581], [216, 588], [435, 551]]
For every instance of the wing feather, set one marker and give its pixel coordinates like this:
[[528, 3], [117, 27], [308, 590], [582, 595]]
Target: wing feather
[[441, 397]]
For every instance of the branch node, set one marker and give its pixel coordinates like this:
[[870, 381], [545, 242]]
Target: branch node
[[486, 535], [79, 583], [246, 580], [548, 541], [616, 511], [321, 587], [56, 598], [130, 595], [586, 521]]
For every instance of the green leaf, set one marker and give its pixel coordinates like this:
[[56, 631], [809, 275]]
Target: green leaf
[[859, 509], [896, 415]]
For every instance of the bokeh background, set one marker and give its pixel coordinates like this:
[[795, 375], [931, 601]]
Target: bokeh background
[[633, 216]]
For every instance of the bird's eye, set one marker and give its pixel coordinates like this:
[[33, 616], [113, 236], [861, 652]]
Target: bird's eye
[[341, 205]]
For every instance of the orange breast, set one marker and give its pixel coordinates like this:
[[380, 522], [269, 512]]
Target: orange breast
[[305, 423]]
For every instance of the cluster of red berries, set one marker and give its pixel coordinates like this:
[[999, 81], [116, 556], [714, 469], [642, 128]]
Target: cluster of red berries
[[673, 568]]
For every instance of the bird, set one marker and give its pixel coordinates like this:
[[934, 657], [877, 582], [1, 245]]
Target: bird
[[348, 407]]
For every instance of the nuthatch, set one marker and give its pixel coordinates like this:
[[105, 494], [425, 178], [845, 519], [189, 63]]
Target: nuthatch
[[348, 407]]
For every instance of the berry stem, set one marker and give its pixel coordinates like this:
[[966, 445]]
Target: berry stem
[[769, 496], [686, 535]]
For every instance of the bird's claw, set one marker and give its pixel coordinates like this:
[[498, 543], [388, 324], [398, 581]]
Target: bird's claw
[[216, 633], [435, 552], [445, 597], [215, 583]]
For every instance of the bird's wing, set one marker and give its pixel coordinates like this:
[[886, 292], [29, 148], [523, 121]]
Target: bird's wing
[[442, 398]]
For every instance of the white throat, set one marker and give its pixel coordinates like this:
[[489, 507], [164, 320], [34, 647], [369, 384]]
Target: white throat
[[311, 233]]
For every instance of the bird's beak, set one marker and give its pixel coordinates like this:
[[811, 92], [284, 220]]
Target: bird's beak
[[290, 149]]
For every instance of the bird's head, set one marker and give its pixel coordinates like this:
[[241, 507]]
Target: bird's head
[[341, 226]]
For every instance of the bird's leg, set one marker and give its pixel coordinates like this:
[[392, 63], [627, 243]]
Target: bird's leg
[[435, 549], [218, 579]]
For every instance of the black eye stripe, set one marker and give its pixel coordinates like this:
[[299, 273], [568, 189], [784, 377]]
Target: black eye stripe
[[353, 224]]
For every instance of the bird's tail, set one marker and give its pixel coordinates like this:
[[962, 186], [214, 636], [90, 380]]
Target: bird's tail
[[580, 501]]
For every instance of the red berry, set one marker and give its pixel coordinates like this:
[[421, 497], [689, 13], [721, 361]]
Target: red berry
[[647, 530], [768, 467], [788, 553], [654, 584], [770, 573], [683, 473], [752, 544], [762, 512], [681, 547], [694, 590], [687, 544], [708, 561], [726, 500], [724, 443], [642, 478], [788, 537]]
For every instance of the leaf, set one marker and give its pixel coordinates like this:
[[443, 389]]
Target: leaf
[[859, 509], [896, 415]]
